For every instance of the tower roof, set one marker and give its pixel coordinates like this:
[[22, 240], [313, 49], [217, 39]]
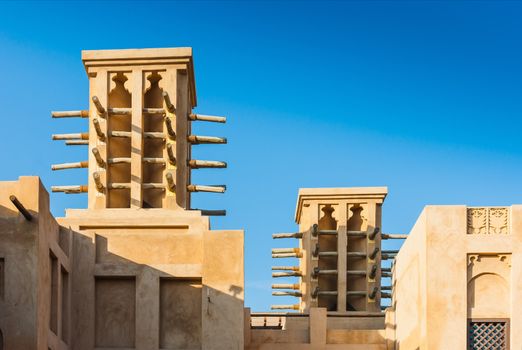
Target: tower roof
[[128, 57], [337, 193]]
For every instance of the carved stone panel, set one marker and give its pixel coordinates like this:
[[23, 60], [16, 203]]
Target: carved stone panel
[[488, 220]]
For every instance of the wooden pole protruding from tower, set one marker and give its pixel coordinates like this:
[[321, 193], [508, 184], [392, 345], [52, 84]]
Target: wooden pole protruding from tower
[[170, 128], [196, 140], [285, 307], [287, 294], [75, 136], [218, 212], [297, 235], [99, 108], [171, 185], [287, 255], [393, 236], [374, 233], [197, 164], [287, 274], [207, 118], [285, 250], [168, 102], [285, 268], [171, 154], [70, 114], [77, 143], [98, 157], [373, 293], [374, 253], [75, 165], [205, 188], [295, 286], [97, 128], [70, 189], [97, 181]]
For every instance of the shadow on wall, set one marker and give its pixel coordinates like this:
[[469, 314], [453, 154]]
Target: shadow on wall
[[127, 304], [135, 304], [17, 276]]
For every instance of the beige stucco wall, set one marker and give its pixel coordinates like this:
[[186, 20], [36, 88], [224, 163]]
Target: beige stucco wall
[[173, 283], [315, 330], [410, 288], [120, 278], [25, 286], [435, 277]]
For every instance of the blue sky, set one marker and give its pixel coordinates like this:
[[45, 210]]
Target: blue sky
[[421, 96]]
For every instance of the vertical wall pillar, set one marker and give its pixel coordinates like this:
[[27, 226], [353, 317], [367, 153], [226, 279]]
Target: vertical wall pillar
[[342, 245], [182, 145], [98, 87], [318, 326], [373, 304], [307, 263], [137, 139], [169, 84], [147, 317]]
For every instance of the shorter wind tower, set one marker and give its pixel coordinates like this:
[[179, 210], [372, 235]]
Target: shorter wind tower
[[339, 254]]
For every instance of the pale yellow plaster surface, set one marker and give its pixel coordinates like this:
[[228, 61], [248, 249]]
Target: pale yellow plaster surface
[[450, 270], [35, 259]]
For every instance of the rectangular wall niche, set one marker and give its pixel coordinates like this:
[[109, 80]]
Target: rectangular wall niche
[[115, 308], [65, 305], [2, 278], [180, 313], [53, 264]]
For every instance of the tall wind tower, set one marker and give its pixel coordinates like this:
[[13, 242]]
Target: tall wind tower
[[148, 273], [139, 135]]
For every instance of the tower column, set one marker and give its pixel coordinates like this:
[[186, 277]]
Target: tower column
[[136, 138], [342, 245]]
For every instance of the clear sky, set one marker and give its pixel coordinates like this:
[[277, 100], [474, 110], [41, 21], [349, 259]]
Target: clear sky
[[421, 96]]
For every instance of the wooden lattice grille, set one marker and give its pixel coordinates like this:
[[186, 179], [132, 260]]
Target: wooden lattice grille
[[488, 335]]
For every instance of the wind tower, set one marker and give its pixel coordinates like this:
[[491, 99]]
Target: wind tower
[[339, 253], [139, 137], [148, 271]]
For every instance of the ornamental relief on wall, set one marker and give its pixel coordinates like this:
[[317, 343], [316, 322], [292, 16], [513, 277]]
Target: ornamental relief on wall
[[488, 220]]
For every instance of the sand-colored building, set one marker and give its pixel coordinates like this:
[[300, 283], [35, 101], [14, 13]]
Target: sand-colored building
[[139, 268]]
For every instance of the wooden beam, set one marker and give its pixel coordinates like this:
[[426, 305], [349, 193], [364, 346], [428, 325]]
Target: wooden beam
[[70, 189], [195, 139], [197, 164], [74, 165], [207, 118], [98, 105], [70, 114], [204, 188], [77, 143], [168, 102], [27, 215], [76, 136]]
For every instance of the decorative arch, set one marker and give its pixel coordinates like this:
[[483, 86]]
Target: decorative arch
[[488, 296]]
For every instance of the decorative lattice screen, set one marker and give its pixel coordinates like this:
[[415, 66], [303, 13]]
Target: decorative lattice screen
[[488, 335]]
